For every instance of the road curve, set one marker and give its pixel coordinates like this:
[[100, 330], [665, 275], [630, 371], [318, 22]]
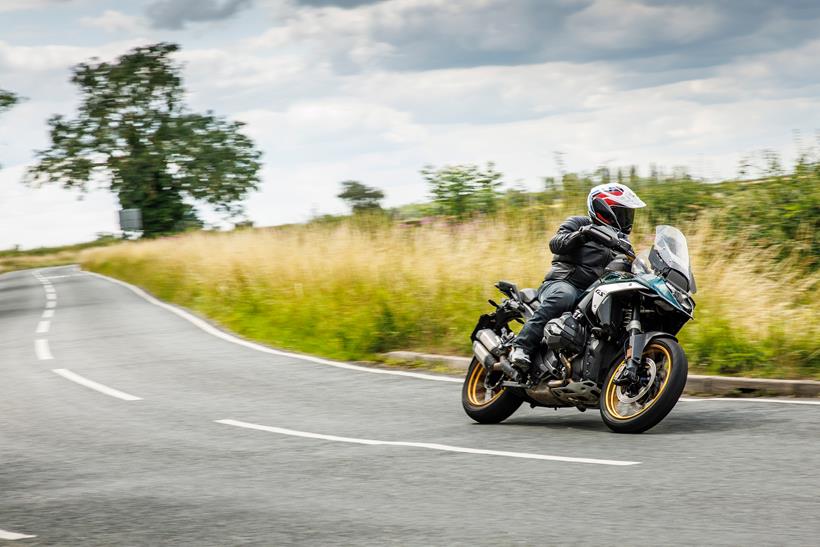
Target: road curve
[[124, 424]]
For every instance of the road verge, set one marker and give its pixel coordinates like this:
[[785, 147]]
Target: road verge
[[695, 384]]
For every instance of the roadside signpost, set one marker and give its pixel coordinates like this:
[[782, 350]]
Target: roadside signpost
[[131, 223]]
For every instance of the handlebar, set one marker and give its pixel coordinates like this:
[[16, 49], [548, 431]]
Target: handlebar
[[609, 237], [626, 248]]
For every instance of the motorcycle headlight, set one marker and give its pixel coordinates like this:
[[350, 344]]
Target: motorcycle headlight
[[682, 298]]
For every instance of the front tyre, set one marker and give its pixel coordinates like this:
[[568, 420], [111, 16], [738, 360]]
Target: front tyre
[[662, 377], [487, 405]]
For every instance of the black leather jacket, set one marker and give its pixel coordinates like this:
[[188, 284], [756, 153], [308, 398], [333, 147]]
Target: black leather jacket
[[574, 259]]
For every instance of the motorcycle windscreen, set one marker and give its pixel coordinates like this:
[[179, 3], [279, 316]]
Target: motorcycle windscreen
[[671, 256]]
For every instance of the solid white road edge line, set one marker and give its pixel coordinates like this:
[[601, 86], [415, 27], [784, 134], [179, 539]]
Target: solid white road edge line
[[68, 375], [750, 400], [42, 350], [430, 446], [203, 325], [43, 326], [48, 314], [258, 347], [5, 534]]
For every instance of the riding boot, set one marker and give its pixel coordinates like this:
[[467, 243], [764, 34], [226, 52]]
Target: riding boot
[[520, 359]]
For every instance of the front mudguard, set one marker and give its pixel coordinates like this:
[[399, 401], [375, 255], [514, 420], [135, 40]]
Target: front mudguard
[[638, 342]]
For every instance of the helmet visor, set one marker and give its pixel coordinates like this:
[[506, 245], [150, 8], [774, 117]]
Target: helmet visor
[[624, 216]]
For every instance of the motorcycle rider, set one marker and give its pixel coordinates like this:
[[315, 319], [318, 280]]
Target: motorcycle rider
[[578, 261]]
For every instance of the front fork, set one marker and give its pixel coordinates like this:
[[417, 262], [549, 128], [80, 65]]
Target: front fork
[[637, 344]]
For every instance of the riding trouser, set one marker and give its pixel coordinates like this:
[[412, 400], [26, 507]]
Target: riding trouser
[[556, 297]]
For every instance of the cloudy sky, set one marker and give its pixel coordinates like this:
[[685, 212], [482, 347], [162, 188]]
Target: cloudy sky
[[373, 90]]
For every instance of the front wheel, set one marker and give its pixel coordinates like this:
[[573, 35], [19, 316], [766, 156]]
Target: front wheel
[[484, 403], [662, 377]]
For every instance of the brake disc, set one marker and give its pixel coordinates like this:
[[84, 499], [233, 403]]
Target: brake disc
[[653, 371]]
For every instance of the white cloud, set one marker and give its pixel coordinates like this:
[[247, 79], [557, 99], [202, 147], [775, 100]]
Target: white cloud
[[116, 21], [57, 57], [22, 5], [330, 131], [487, 94], [41, 58], [618, 24]]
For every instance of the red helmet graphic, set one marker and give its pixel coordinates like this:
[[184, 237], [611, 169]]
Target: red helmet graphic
[[614, 205]]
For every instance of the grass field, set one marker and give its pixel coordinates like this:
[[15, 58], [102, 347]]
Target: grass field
[[42, 257], [352, 289]]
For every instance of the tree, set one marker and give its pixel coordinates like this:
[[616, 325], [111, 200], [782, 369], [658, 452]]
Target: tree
[[633, 175], [134, 133], [603, 174], [7, 100], [459, 190], [361, 198]]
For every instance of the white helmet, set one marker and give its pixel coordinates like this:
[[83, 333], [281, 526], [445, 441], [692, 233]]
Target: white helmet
[[613, 204]]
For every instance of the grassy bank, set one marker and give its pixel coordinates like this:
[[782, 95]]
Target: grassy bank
[[43, 257], [351, 289]]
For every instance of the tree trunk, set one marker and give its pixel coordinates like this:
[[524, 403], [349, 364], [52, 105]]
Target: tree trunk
[[163, 209]]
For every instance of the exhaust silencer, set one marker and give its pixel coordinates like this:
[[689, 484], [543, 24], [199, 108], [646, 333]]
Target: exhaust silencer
[[487, 347], [490, 340], [483, 355]]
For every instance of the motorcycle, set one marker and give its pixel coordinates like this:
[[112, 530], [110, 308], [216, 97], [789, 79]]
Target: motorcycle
[[631, 314]]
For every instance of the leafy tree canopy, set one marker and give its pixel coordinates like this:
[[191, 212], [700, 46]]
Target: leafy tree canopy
[[460, 190], [7, 99], [360, 197], [134, 134]]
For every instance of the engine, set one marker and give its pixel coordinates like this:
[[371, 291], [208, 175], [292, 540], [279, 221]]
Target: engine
[[565, 335]]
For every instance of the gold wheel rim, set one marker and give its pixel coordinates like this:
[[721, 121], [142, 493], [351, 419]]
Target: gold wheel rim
[[476, 391], [664, 366]]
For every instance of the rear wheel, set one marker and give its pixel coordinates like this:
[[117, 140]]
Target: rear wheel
[[482, 401], [662, 377]]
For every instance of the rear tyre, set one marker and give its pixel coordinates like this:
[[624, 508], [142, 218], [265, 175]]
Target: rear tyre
[[483, 405], [664, 370]]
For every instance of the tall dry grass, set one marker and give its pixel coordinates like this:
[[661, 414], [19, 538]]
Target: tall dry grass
[[357, 288]]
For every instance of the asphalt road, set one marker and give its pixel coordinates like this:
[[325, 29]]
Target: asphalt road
[[149, 463]]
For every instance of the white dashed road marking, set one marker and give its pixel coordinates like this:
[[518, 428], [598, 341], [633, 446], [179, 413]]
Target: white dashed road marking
[[41, 344], [5, 534], [42, 350], [429, 446], [68, 375]]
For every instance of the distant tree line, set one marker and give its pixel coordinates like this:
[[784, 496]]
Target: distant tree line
[[457, 191], [779, 208]]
